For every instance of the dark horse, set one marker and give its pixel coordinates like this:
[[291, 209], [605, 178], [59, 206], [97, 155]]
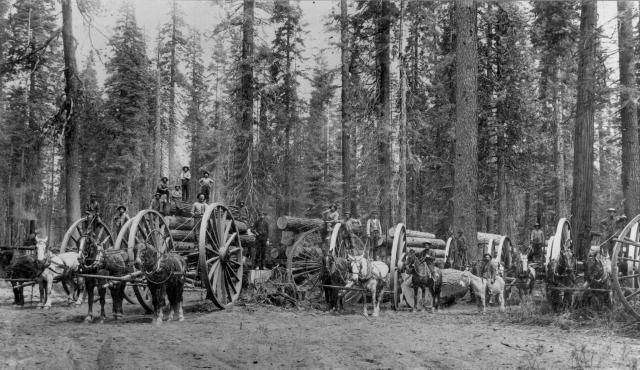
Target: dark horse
[[17, 266], [334, 270], [598, 276], [559, 273], [95, 260], [164, 273], [424, 275]]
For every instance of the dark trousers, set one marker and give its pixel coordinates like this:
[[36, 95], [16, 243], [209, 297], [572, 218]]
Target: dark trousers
[[185, 190], [536, 251], [205, 191], [259, 253]]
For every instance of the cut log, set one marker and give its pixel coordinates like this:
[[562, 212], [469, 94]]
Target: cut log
[[247, 239], [298, 224], [413, 234], [185, 235], [488, 238], [414, 242], [179, 222], [287, 238], [451, 288]]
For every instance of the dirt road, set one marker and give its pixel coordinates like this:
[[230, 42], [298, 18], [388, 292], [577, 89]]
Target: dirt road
[[270, 337]]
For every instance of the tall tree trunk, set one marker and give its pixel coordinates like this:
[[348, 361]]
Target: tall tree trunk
[[347, 179], [465, 180], [71, 142], [402, 134], [383, 107], [244, 136], [558, 152], [171, 140], [157, 135], [628, 112], [581, 204]]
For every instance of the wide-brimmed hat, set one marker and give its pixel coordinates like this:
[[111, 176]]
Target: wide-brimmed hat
[[187, 167], [199, 194], [205, 172], [611, 210], [536, 224], [177, 187], [487, 254], [157, 194], [121, 207], [164, 178]]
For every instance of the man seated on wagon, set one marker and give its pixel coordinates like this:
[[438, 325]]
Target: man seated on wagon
[[428, 256], [156, 204], [92, 210], [197, 210], [120, 218]]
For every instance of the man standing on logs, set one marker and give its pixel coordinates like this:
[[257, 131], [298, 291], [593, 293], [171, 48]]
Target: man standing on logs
[[165, 194], [609, 226], [259, 251], [351, 225], [374, 231], [185, 177], [537, 240], [330, 217], [206, 186]]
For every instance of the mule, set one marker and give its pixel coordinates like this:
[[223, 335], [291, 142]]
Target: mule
[[598, 276], [525, 275], [95, 260], [423, 277], [164, 273], [559, 273], [63, 267], [481, 286], [331, 274], [371, 275]]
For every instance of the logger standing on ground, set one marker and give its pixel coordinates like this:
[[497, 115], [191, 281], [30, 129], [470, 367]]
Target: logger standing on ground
[[259, 251], [459, 246], [185, 177], [374, 230], [536, 240]]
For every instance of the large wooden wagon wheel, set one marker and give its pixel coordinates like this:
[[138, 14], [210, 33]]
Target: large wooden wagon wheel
[[398, 251], [77, 233], [149, 228], [304, 264], [625, 266], [559, 241], [221, 261], [341, 245]]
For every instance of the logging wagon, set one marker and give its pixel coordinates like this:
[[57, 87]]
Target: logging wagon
[[308, 239], [211, 245]]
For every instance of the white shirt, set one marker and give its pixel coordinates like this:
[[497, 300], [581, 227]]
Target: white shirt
[[373, 224], [185, 175]]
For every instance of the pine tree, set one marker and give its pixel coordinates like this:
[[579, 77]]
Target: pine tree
[[127, 111]]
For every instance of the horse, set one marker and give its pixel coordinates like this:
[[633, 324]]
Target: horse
[[164, 273], [525, 275], [63, 266], [423, 277], [370, 275], [598, 276], [17, 266], [95, 260], [559, 273], [331, 275], [480, 286]]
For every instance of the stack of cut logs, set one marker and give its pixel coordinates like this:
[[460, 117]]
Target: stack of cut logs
[[416, 240], [187, 230]]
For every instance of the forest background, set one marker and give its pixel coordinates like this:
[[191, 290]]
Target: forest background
[[295, 105]]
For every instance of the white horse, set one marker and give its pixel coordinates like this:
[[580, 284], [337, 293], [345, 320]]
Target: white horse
[[371, 275], [63, 266], [481, 286]]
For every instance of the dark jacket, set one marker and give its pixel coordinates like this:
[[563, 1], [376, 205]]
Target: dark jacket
[[261, 228]]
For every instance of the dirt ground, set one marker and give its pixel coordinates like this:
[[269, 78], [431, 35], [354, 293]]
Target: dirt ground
[[251, 336]]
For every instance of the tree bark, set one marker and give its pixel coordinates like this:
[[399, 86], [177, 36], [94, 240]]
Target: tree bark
[[298, 224], [71, 139], [465, 180], [157, 137], [402, 134], [244, 136], [581, 204], [560, 178], [171, 140], [628, 112], [383, 110], [347, 178]]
